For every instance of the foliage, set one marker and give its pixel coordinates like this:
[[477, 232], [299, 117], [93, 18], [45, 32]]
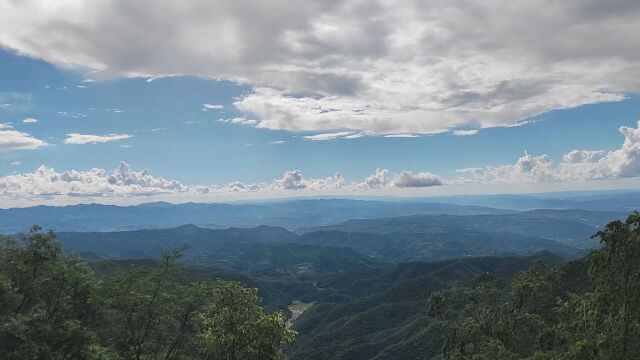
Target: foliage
[[540, 319], [53, 307], [381, 314], [233, 326]]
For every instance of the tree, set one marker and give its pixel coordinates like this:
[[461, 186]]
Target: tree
[[45, 299], [234, 327], [541, 320], [615, 271], [53, 307]]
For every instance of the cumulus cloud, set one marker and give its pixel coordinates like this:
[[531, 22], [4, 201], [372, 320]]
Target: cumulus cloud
[[399, 67], [80, 139], [577, 165], [11, 140], [583, 156], [123, 181], [292, 180], [45, 182], [377, 180], [423, 179]]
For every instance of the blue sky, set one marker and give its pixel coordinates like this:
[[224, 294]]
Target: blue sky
[[150, 116]]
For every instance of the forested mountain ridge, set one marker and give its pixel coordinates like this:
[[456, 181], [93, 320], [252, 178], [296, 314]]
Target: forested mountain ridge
[[266, 248], [382, 313], [572, 227]]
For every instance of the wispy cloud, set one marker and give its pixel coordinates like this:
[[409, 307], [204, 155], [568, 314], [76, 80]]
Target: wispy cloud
[[12, 140], [80, 139], [465, 132], [331, 136], [207, 107]]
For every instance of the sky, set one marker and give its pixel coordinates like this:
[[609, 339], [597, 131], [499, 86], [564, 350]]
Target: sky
[[125, 102]]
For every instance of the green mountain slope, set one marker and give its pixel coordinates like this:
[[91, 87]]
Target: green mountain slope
[[381, 313]]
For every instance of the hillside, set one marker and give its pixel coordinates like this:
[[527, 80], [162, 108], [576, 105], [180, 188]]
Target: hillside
[[263, 249], [440, 245], [381, 314]]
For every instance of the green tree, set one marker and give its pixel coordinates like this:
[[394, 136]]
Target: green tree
[[52, 307], [540, 320], [615, 271], [45, 300], [232, 326]]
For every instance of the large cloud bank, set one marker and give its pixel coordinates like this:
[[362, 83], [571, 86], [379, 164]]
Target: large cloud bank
[[46, 182], [371, 67], [577, 165]]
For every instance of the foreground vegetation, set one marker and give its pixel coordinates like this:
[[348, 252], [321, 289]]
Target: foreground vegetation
[[585, 310], [53, 307]]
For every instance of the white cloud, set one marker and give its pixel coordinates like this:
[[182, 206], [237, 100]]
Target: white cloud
[[80, 139], [16, 163], [465, 132], [399, 67], [578, 165], [46, 182], [378, 180], [401, 136], [11, 140], [123, 181], [422, 179], [71, 115], [292, 180], [206, 107], [277, 142], [239, 121], [329, 136], [583, 156], [30, 120]]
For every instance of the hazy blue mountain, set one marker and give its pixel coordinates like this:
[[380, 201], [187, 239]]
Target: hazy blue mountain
[[610, 200], [354, 245], [571, 227], [444, 244], [288, 214], [263, 249]]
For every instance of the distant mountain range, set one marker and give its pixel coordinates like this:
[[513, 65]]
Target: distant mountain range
[[607, 200], [294, 214], [570, 227], [354, 245], [288, 214]]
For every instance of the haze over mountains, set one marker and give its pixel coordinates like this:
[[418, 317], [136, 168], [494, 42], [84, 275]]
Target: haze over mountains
[[294, 214]]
